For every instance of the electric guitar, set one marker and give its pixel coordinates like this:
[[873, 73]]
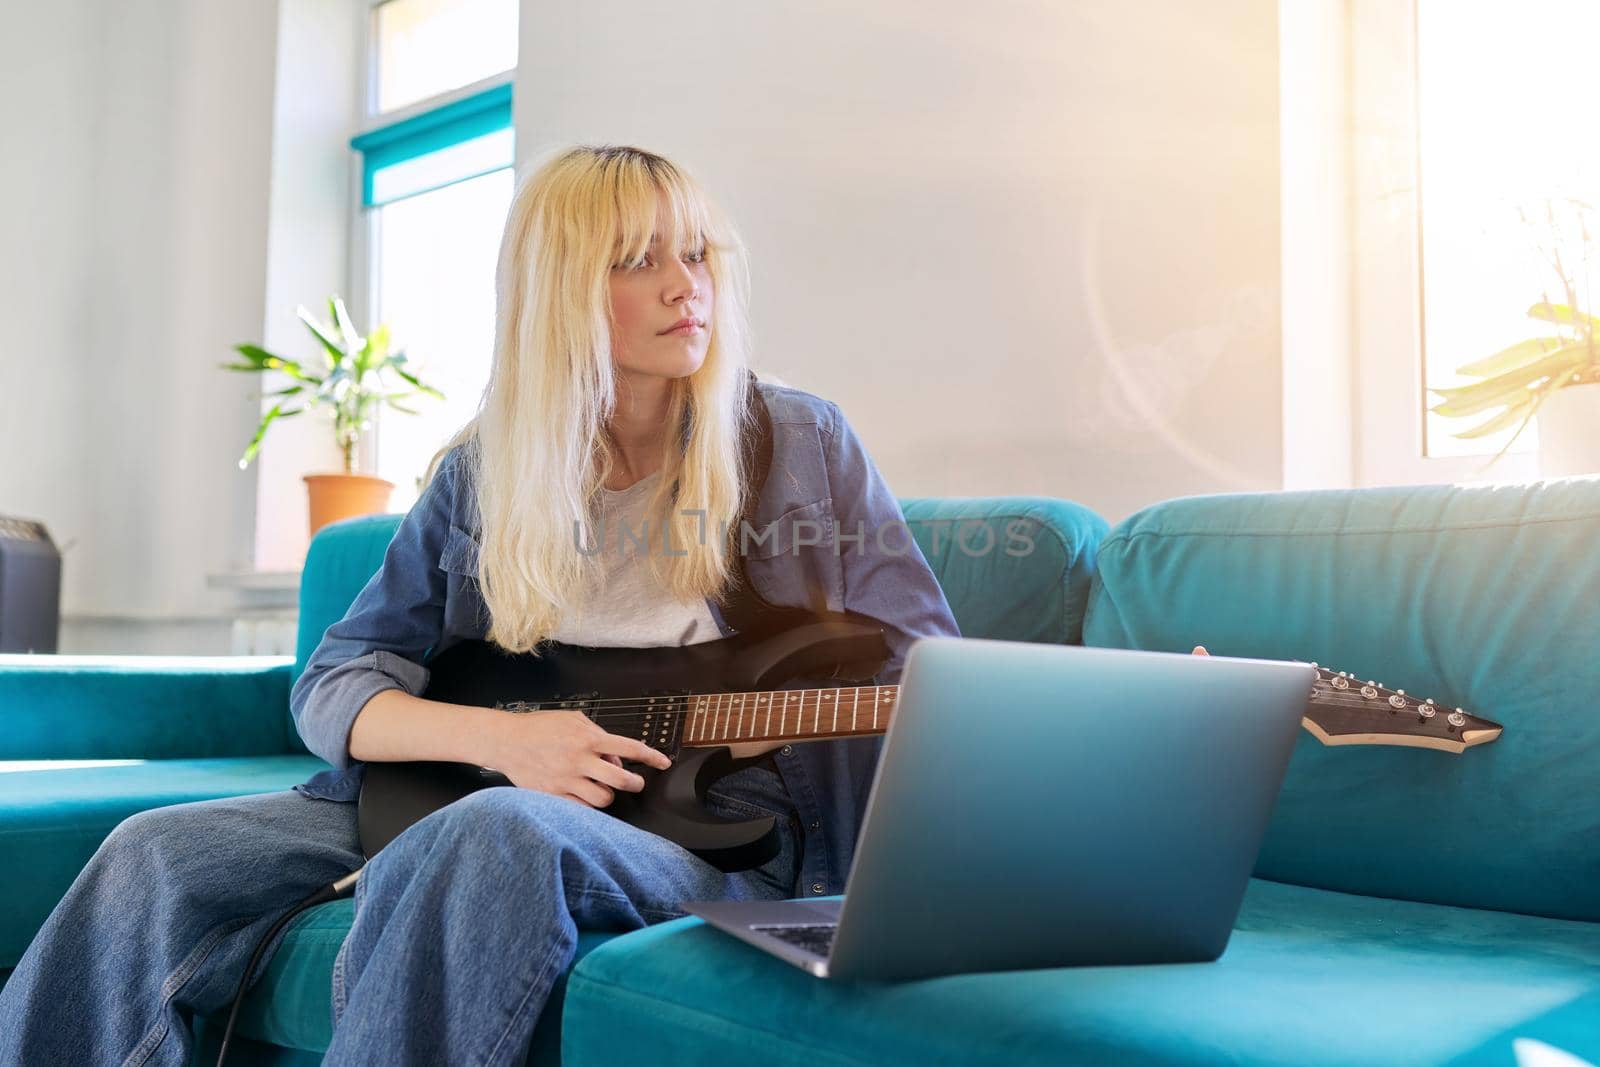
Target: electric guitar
[[697, 702]]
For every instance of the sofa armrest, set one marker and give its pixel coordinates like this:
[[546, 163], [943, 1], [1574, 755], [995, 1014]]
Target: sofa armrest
[[143, 707]]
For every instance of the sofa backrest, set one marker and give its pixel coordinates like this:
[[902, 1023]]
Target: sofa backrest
[[1482, 597], [1016, 568]]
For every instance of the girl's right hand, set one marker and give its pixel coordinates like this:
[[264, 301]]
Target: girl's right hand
[[566, 754]]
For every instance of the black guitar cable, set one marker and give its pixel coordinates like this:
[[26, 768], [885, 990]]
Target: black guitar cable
[[336, 891]]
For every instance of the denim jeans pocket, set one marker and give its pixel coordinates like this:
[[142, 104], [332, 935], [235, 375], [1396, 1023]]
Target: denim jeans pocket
[[776, 877]]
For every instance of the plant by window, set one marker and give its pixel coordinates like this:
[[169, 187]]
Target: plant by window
[[352, 383], [1517, 380]]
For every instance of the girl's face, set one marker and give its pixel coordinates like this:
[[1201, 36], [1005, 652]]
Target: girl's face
[[648, 299]]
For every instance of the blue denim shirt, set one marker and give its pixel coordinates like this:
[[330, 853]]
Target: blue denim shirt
[[837, 537]]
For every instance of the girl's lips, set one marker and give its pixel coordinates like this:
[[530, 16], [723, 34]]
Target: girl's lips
[[686, 328]]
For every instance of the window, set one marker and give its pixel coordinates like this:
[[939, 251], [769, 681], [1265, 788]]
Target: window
[[1503, 148], [437, 158], [427, 47], [1388, 207]]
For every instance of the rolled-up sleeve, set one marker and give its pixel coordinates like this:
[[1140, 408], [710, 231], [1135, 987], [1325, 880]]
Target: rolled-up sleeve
[[381, 641], [886, 577]]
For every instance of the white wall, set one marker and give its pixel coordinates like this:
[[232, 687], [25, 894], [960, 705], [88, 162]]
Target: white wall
[[1045, 236], [133, 237], [309, 249], [47, 118], [1318, 370]]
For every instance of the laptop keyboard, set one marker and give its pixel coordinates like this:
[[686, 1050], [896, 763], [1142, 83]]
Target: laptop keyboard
[[813, 937]]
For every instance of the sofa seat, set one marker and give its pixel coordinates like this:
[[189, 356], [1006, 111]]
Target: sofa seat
[[54, 814], [291, 1006], [1310, 977]]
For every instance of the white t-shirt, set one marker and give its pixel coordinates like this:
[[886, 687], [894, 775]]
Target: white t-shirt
[[629, 608]]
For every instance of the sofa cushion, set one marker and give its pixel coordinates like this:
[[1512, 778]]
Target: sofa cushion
[[143, 707], [1482, 597], [1013, 568], [1310, 977], [292, 1004], [55, 813]]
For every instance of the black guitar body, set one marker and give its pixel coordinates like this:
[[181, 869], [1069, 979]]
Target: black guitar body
[[598, 681]]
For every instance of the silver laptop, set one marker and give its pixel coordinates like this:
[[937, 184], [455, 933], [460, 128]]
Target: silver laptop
[[1050, 806]]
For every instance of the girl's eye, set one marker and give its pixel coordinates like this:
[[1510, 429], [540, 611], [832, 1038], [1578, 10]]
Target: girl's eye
[[697, 256]]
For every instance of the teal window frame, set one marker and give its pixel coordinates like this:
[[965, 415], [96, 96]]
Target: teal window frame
[[482, 113]]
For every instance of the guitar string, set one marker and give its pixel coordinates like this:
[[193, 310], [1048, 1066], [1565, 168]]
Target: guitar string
[[1332, 697], [620, 709]]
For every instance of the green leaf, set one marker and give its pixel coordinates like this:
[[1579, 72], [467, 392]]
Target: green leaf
[[402, 407], [267, 361], [251, 367], [276, 412], [1518, 355], [347, 329], [290, 391], [412, 379], [1562, 315], [1510, 387], [255, 354], [376, 349], [1521, 410], [335, 353]]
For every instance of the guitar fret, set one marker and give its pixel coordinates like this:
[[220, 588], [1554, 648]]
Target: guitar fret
[[721, 717]]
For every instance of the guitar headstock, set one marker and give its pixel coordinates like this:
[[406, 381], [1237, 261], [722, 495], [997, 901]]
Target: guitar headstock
[[1347, 711]]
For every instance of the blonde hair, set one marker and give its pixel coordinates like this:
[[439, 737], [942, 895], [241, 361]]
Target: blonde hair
[[538, 450]]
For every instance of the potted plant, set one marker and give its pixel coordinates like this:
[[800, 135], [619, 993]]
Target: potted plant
[[352, 383], [1554, 376]]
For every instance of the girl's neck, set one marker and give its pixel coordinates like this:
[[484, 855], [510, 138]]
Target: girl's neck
[[637, 429]]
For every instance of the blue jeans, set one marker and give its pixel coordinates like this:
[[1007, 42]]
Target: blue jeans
[[462, 923]]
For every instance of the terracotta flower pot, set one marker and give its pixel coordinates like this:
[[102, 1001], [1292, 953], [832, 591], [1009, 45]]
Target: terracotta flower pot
[[344, 496]]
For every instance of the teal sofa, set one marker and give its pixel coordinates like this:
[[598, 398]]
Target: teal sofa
[[1410, 907]]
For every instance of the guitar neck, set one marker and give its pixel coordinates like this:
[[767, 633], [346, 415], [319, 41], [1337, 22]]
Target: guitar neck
[[714, 719], [1339, 711]]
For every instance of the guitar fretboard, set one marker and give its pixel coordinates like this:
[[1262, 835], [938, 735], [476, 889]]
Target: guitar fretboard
[[789, 715]]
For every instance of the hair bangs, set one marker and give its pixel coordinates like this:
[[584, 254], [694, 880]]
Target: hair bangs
[[687, 225]]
